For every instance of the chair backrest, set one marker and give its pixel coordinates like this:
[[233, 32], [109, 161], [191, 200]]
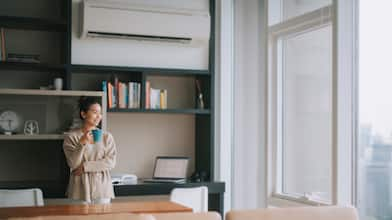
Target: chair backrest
[[298, 213], [21, 197], [195, 197], [188, 216], [109, 216]]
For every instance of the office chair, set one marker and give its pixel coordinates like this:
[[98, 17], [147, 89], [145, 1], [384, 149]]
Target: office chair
[[21, 197], [195, 197]]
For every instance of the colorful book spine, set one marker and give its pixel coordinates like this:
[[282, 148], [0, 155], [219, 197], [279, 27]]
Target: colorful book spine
[[110, 95], [163, 99], [148, 95], [104, 89], [3, 55], [130, 95], [126, 98], [138, 95], [120, 95], [115, 92], [155, 98]]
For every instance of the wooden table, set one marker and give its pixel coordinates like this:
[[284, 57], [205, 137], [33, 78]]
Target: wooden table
[[117, 207]]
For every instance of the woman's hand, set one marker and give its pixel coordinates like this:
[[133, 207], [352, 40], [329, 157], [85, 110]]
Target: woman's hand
[[78, 171], [87, 137]]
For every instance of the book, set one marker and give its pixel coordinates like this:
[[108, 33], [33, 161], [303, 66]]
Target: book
[[115, 92], [110, 94], [130, 95], [120, 95], [104, 88], [148, 95], [139, 87], [2, 33], [126, 93], [24, 58], [163, 99], [135, 95], [155, 98]]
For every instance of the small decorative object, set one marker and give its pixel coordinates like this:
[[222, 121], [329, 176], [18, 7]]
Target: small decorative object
[[9, 121], [58, 83], [31, 127], [200, 102]]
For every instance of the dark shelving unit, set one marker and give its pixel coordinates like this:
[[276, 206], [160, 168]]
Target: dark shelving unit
[[71, 73]]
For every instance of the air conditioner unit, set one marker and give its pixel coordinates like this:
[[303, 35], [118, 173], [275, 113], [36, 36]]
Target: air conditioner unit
[[114, 19]]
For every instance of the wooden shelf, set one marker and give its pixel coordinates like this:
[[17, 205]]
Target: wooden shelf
[[32, 137], [172, 111], [150, 71], [31, 66], [33, 23], [49, 92]]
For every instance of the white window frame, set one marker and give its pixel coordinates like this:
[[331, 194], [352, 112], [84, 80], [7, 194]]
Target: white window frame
[[303, 23], [345, 62], [345, 69]]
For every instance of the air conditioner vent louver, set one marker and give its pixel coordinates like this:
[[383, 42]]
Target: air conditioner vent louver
[[140, 37]]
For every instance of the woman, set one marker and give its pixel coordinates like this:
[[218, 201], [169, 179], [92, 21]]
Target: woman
[[89, 161]]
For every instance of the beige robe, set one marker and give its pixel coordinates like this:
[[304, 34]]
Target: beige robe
[[97, 159]]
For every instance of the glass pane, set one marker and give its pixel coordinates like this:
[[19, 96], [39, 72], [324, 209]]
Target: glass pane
[[375, 111], [282, 10], [307, 113]]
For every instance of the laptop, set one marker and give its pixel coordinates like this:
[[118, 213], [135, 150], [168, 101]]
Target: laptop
[[169, 170]]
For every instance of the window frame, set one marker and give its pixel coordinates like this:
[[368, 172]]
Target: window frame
[[297, 25]]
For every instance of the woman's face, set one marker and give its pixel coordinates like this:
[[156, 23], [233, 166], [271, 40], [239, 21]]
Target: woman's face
[[93, 116]]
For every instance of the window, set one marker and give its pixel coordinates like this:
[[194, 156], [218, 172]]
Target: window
[[374, 149], [300, 104], [306, 114]]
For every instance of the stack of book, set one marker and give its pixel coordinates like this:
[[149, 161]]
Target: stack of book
[[23, 58], [155, 98], [122, 94]]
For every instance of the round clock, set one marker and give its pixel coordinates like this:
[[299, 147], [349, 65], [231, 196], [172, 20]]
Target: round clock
[[9, 121]]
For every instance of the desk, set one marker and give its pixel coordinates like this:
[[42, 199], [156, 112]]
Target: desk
[[117, 207]]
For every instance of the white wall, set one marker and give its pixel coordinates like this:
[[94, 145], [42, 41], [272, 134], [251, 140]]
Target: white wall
[[141, 137], [121, 52], [249, 174]]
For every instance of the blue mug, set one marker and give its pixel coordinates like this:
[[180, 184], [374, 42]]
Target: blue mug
[[97, 135]]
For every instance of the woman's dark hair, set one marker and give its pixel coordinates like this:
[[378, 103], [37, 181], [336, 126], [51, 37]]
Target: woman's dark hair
[[85, 102]]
